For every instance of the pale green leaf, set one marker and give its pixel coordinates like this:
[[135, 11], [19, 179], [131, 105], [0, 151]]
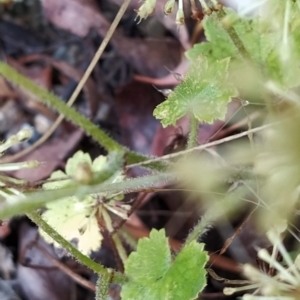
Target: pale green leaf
[[204, 93], [74, 220], [153, 276], [254, 34], [269, 49], [59, 183]]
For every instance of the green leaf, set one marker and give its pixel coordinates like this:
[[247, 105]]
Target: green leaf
[[72, 218], [153, 276], [269, 48], [255, 35], [98, 163], [204, 93], [219, 44], [59, 183]]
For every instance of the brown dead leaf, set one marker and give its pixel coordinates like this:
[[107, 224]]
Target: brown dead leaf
[[11, 116], [135, 105], [41, 76], [168, 80], [75, 16], [6, 92], [44, 281], [4, 229], [147, 56], [90, 88], [151, 57], [164, 136]]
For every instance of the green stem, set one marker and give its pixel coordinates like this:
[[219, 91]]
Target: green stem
[[20, 204], [135, 158], [102, 286], [96, 267], [120, 248], [54, 102], [71, 114], [129, 240], [228, 206], [198, 230], [221, 14], [193, 134]]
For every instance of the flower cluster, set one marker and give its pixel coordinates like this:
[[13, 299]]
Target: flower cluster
[[285, 285], [148, 8]]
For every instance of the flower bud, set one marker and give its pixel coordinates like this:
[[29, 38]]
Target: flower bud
[[179, 17], [205, 8], [229, 291], [24, 134], [146, 9], [21, 136], [30, 164], [83, 173], [169, 7]]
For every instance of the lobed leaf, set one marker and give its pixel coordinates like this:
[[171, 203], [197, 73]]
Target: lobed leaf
[[204, 93], [219, 44], [153, 276], [72, 218]]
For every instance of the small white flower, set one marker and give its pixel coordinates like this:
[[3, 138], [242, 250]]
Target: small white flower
[[180, 13], [267, 287], [146, 9], [169, 7]]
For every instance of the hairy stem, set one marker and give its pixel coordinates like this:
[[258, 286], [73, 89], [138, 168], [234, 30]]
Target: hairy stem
[[102, 286], [20, 204], [221, 14], [51, 100], [96, 267], [193, 134], [71, 114], [204, 146], [80, 85], [206, 220]]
